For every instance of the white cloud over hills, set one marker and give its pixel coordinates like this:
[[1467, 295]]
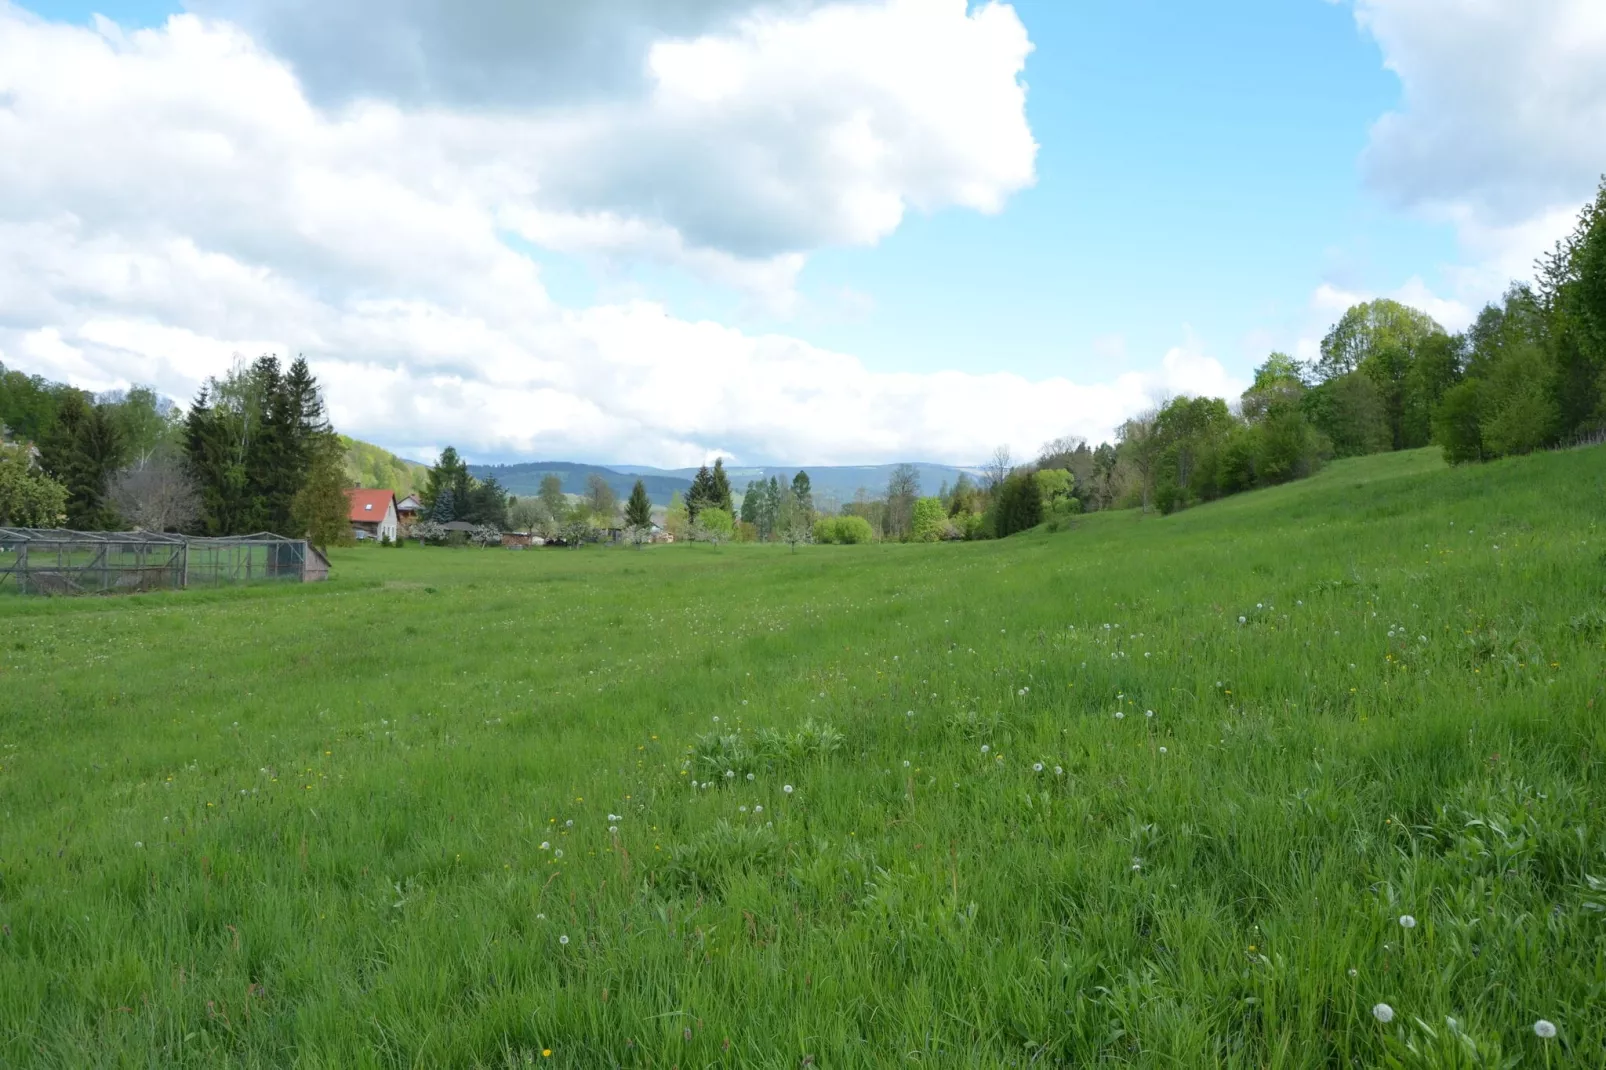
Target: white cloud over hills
[[175, 196]]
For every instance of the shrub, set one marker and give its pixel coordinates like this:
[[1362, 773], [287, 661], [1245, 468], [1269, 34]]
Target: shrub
[[843, 530], [930, 521]]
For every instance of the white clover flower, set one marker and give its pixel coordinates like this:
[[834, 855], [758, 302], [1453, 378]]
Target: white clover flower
[[1544, 1030], [1407, 922], [564, 939], [787, 788], [1383, 1013]]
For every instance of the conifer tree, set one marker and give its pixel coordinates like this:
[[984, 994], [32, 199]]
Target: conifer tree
[[82, 452], [703, 493], [638, 510], [722, 488]]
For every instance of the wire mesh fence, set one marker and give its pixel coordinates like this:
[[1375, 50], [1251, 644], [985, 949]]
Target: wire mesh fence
[[58, 562]]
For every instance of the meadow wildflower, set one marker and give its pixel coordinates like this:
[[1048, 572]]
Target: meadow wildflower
[[1059, 771], [558, 853], [1037, 767], [1407, 922], [613, 830], [1243, 620], [1119, 716], [1544, 1030], [750, 777], [1148, 713], [758, 809], [1383, 1013], [985, 747], [546, 845], [1162, 750], [787, 788], [564, 939]]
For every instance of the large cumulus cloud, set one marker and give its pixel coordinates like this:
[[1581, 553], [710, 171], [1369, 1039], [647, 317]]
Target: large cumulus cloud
[[172, 197]]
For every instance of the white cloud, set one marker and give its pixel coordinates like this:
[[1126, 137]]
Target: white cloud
[[1504, 104], [1500, 127], [171, 198]]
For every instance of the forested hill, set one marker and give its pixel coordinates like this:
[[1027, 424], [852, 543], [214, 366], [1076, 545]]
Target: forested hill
[[524, 480]]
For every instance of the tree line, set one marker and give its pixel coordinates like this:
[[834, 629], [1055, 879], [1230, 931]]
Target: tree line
[[253, 452]]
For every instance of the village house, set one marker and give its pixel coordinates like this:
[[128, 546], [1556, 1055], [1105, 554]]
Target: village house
[[408, 510], [373, 514]]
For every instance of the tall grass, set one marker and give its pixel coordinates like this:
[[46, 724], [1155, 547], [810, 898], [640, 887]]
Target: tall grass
[[854, 806]]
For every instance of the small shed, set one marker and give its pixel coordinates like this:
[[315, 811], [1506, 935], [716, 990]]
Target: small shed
[[517, 540]]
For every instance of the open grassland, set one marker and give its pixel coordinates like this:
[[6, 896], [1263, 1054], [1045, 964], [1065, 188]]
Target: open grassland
[[856, 806]]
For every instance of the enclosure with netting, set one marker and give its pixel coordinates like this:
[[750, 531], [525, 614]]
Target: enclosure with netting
[[59, 562]]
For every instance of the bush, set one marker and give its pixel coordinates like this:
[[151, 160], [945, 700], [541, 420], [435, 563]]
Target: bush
[[930, 521], [843, 530]]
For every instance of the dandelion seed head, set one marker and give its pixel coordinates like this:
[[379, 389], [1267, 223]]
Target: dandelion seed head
[[787, 788], [1383, 1013], [1407, 922], [564, 939], [1037, 767], [1544, 1030]]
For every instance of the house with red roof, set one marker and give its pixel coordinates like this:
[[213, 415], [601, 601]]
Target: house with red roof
[[373, 514]]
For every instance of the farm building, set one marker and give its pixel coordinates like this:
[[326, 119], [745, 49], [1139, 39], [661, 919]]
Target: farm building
[[373, 514], [52, 561], [408, 510]]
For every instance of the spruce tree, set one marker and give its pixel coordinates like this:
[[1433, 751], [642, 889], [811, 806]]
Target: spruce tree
[[638, 510], [722, 487], [82, 452], [703, 493]]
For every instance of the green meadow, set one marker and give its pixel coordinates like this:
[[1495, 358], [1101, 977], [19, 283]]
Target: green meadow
[[1143, 792]]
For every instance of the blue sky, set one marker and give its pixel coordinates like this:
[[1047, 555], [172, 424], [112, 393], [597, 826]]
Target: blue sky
[[1208, 176]]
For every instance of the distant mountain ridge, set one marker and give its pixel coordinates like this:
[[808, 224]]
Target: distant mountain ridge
[[524, 479], [839, 482], [374, 467]]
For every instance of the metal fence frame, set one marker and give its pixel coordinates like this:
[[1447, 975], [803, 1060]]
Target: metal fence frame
[[54, 561]]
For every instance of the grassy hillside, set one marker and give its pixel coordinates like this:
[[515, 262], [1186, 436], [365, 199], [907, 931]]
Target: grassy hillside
[[852, 807]]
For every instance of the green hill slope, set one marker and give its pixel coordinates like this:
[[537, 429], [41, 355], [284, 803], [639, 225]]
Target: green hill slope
[[745, 807], [370, 466]]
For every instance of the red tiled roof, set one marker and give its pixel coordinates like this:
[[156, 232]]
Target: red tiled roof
[[368, 506]]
